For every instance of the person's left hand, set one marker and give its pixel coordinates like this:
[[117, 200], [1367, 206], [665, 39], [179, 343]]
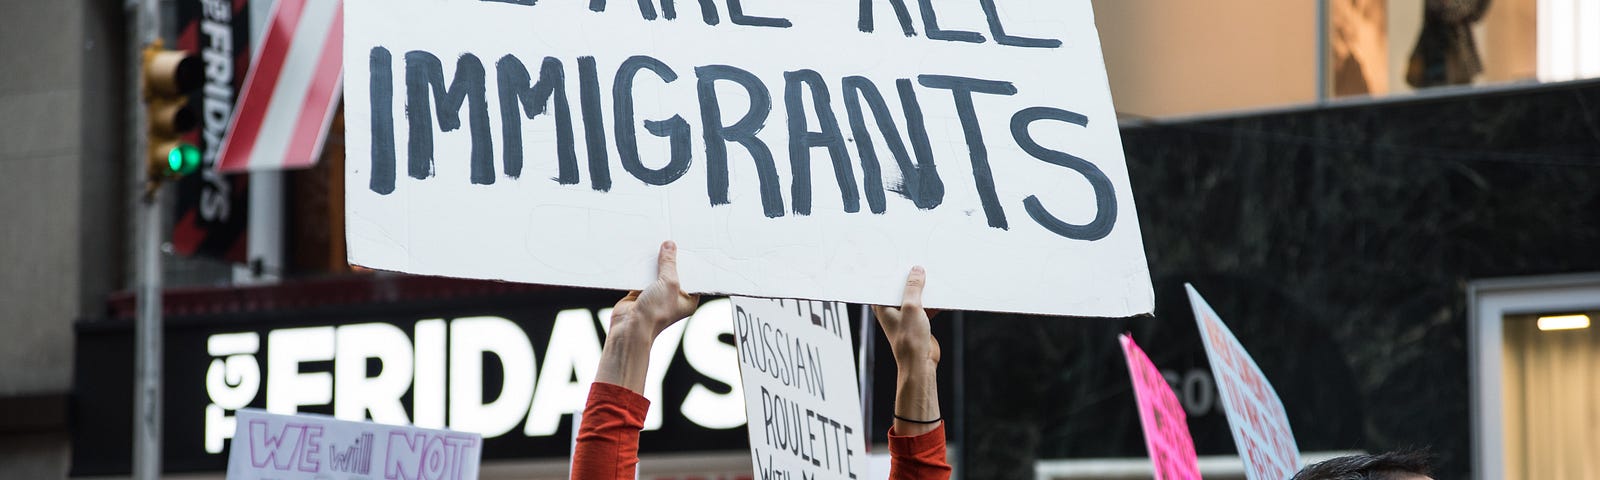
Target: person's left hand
[[907, 327], [662, 303]]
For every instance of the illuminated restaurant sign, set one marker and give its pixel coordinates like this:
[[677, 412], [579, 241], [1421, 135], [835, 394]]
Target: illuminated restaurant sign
[[511, 370]]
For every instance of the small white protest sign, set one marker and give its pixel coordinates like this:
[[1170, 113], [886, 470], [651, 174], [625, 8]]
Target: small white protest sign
[[1259, 423], [800, 389], [558, 142], [308, 446]]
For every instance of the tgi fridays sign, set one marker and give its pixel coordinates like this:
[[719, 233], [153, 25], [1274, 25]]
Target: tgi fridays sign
[[440, 362], [434, 367]]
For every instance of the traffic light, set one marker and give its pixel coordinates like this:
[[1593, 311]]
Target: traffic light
[[169, 77]]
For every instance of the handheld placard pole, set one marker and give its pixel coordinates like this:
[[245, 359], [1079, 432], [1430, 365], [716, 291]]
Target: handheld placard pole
[[867, 354]]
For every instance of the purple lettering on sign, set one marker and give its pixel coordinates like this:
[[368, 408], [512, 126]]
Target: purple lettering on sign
[[309, 449], [403, 465], [316, 447], [434, 463], [421, 456], [460, 445], [278, 450]]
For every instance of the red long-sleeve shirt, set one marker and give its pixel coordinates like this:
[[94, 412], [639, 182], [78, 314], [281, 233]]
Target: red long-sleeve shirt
[[608, 441], [918, 458]]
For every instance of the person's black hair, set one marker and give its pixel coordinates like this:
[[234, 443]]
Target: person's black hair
[[1383, 466]]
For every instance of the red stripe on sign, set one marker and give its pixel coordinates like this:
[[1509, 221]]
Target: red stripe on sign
[[317, 108], [258, 86], [186, 236], [189, 38], [239, 252]]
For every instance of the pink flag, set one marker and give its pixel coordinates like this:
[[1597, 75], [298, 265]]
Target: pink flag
[[1166, 427]]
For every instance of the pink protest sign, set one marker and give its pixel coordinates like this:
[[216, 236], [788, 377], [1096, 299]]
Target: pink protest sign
[[1166, 427], [1255, 414]]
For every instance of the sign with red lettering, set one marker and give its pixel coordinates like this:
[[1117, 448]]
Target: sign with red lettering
[[801, 395], [308, 446], [1166, 427], [1255, 414], [811, 149]]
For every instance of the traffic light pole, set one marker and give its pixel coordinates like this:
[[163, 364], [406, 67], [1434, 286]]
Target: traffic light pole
[[147, 324], [147, 401]]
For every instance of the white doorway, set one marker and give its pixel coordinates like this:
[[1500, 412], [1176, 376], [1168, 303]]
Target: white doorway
[[1535, 365]]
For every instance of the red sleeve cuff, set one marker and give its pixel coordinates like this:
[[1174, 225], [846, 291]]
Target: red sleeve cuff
[[601, 393], [918, 446]]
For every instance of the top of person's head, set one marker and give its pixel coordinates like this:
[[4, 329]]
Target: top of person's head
[[1405, 465]]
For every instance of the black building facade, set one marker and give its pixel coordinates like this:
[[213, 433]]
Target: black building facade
[[1338, 243]]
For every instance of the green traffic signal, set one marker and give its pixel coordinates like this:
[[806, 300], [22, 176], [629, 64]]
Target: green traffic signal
[[183, 159], [169, 76]]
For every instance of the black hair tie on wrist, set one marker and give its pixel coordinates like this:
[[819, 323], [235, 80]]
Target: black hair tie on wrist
[[923, 422]]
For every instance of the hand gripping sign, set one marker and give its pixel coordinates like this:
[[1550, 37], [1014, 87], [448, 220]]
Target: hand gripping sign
[[1256, 415], [560, 142]]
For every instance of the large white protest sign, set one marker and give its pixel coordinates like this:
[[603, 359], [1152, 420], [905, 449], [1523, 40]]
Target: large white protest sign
[[559, 142], [800, 390], [307, 446], [1259, 423]]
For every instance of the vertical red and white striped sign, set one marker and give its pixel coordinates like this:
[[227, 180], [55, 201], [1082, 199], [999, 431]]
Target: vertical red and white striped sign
[[292, 91]]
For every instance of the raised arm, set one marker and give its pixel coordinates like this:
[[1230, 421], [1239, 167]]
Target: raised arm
[[608, 439], [916, 440]]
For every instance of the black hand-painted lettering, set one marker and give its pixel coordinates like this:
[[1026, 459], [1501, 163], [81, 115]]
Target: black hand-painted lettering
[[425, 75], [920, 182], [849, 453], [647, 9], [802, 140], [514, 2], [743, 132], [900, 11], [381, 90], [930, 23], [519, 93], [737, 16], [594, 128], [675, 128], [962, 89], [1105, 195], [708, 11], [999, 31]]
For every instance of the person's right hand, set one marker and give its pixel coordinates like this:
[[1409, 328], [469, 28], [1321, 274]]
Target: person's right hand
[[907, 327], [660, 304]]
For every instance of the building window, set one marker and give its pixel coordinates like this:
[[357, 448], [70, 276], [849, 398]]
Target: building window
[[1380, 47], [1552, 376], [1569, 39], [1535, 356]]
